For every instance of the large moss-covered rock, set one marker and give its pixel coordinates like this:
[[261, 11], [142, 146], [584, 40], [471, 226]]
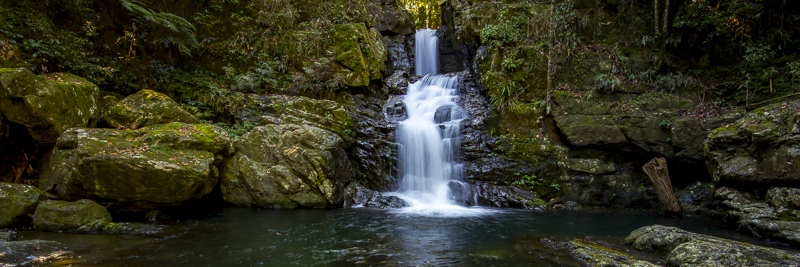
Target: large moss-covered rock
[[277, 109], [47, 105], [763, 147], [145, 108], [595, 254], [137, 170], [18, 201], [360, 51], [286, 166], [64, 216], [687, 249]]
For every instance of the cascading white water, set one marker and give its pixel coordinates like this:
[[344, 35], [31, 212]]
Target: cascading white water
[[427, 52], [429, 139]]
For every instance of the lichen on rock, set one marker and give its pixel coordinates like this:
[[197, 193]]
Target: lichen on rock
[[49, 104]]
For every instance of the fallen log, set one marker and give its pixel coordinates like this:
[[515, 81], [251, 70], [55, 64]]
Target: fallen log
[[657, 170]]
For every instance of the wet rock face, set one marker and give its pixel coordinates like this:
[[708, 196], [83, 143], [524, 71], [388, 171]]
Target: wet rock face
[[690, 249], [505, 196], [452, 56], [357, 195], [395, 109], [49, 104], [389, 17], [374, 155], [145, 108], [761, 148], [18, 201], [286, 166], [401, 53], [138, 170], [65, 216]]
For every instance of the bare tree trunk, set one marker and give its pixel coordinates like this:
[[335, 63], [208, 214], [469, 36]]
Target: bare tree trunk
[[666, 16], [659, 175], [655, 16], [550, 57]]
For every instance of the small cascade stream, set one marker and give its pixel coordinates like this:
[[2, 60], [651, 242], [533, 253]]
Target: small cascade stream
[[429, 139]]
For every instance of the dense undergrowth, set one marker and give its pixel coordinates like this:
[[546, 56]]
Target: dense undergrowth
[[727, 52]]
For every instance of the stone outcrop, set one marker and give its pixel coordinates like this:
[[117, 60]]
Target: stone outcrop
[[145, 108], [360, 53], [65, 216], [505, 196], [137, 170], [688, 249], [18, 201], [287, 166], [49, 104], [775, 219], [762, 148], [389, 17]]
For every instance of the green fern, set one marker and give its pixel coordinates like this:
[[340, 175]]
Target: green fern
[[180, 30]]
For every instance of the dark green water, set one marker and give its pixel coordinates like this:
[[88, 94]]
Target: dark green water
[[358, 237]]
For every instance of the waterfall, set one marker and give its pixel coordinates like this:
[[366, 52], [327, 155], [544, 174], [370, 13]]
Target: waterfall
[[427, 52], [429, 139]]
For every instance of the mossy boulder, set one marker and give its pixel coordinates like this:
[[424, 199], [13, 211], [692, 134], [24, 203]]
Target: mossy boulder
[[329, 115], [684, 248], [137, 170], [761, 148], [123, 228], [18, 201], [145, 108], [65, 216], [361, 53], [49, 104], [287, 166], [595, 254]]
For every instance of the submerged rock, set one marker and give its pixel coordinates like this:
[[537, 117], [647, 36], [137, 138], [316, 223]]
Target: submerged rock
[[137, 170], [123, 228], [287, 166], [357, 195], [690, 249], [36, 252], [65, 216], [18, 201], [145, 108], [6, 236], [49, 104]]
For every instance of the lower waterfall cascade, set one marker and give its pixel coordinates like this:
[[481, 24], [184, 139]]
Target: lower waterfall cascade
[[429, 138]]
